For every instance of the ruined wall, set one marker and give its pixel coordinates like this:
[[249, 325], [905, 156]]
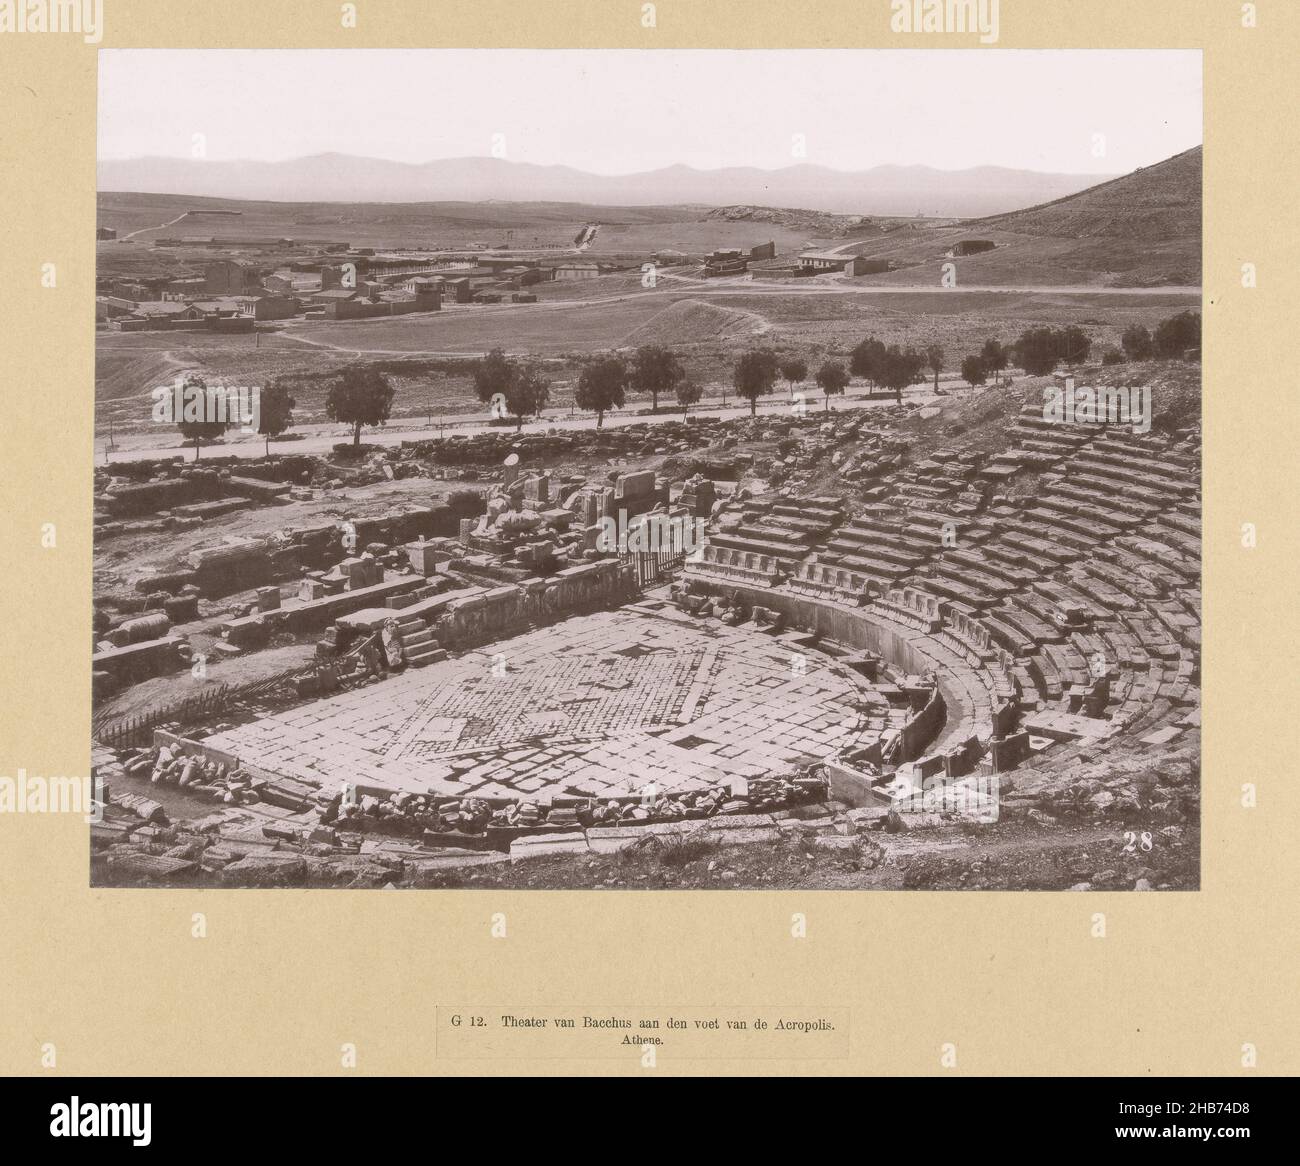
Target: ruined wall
[[923, 727], [509, 610]]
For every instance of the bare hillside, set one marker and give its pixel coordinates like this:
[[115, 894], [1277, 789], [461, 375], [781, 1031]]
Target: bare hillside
[[1155, 204]]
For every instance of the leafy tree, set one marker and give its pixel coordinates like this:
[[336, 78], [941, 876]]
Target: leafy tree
[[601, 387], [275, 410], [361, 396], [865, 360], [899, 368], [754, 376], [655, 370], [1074, 344], [973, 370], [994, 356], [492, 376], [1137, 343], [934, 359], [688, 392], [833, 378], [1178, 333], [1037, 351], [527, 394], [794, 372], [197, 429]]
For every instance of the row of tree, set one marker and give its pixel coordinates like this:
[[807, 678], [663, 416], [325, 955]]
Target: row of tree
[[1039, 350], [519, 390], [359, 396], [1171, 339], [362, 395]]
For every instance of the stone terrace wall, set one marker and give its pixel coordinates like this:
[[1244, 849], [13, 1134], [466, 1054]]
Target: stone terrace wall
[[505, 611]]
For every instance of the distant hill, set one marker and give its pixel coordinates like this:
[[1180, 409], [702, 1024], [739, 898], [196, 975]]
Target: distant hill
[[1141, 230], [883, 190], [813, 224], [1157, 203]]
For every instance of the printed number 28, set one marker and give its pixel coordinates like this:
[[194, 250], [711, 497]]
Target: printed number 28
[[1134, 841]]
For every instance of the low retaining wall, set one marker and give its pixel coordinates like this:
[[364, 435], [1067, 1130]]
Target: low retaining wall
[[505, 611]]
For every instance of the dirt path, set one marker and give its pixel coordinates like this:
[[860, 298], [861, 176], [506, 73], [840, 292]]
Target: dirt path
[[321, 439], [159, 227]]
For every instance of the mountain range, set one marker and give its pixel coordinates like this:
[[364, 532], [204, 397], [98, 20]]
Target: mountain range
[[881, 190]]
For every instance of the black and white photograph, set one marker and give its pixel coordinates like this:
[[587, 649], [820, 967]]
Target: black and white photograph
[[686, 469]]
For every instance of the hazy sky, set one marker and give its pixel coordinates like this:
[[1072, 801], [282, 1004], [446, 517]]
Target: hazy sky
[[618, 111]]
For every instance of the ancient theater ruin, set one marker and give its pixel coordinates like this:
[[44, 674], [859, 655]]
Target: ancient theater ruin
[[891, 636]]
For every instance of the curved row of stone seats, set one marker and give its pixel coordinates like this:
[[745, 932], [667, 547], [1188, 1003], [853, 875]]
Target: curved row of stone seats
[[880, 575], [1137, 468], [936, 532], [1061, 541], [1162, 460], [965, 632], [1030, 420], [1003, 568], [825, 511], [1070, 606], [1104, 594], [1034, 628], [1139, 464], [1061, 516], [949, 586], [1048, 440], [1106, 482], [730, 563], [923, 489], [1030, 538], [1092, 648], [851, 542], [814, 577], [1080, 506], [911, 607], [1143, 560], [1175, 566], [953, 571], [1185, 519], [1070, 664], [1081, 598], [783, 528], [1190, 601], [1007, 635], [1118, 571], [1184, 629], [1019, 557], [1121, 648], [1122, 510], [1047, 681], [770, 539]]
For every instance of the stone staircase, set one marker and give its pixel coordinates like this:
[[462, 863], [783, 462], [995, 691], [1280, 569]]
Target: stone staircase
[[418, 645]]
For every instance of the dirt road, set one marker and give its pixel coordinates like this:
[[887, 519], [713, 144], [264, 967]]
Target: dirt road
[[321, 439]]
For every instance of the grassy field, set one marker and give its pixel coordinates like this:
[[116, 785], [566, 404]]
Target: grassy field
[[428, 224]]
